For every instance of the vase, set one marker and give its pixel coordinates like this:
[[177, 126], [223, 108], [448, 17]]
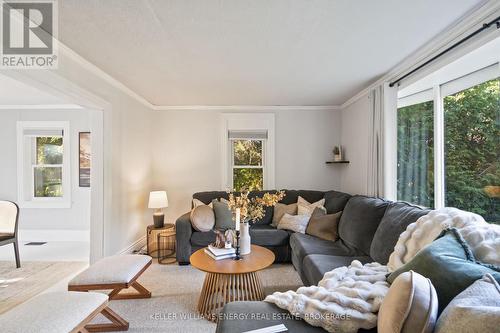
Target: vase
[[245, 247]]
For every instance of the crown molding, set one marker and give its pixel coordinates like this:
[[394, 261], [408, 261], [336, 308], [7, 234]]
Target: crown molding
[[246, 107], [462, 26], [41, 107]]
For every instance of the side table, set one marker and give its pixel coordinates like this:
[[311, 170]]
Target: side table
[[152, 238], [166, 247]]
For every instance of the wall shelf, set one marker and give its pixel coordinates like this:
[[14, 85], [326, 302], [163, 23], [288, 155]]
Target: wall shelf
[[337, 162]]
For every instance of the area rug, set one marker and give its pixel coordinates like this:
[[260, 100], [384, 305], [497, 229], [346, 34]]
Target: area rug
[[19, 285], [175, 290]]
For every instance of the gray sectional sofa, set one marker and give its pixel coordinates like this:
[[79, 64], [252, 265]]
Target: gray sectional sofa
[[368, 231]]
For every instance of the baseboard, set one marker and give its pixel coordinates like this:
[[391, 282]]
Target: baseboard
[[53, 235], [137, 245]]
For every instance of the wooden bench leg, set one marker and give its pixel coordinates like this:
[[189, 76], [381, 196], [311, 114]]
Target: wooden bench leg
[[142, 292], [117, 323]]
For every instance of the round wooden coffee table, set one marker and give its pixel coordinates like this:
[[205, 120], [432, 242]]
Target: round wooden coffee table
[[230, 280]]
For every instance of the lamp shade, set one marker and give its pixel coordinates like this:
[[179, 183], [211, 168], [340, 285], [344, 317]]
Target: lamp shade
[[158, 199]]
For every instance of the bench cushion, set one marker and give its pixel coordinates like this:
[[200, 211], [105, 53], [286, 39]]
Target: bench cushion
[[56, 312], [113, 269]]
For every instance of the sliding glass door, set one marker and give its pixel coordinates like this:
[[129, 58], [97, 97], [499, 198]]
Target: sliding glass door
[[472, 144], [452, 132]]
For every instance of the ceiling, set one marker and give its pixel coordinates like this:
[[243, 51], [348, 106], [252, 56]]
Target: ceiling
[[260, 52]]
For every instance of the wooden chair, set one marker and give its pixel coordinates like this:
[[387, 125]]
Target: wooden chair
[[9, 218]]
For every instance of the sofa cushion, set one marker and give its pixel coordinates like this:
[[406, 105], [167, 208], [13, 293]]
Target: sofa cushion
[[410, 306], [265, 235], [223, 215], [207, 197], [476, 309], [303, 245], [335, 201], [359, 221], [322, 225], [305, 207], [202, 218], [450, 265], [397, 217], [316, 265], [202, 238], [282, 209]]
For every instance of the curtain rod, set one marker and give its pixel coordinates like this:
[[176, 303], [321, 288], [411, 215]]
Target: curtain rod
[[463, 40]]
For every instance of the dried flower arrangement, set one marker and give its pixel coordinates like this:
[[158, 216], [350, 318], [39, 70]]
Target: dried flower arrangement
[[253, 209]]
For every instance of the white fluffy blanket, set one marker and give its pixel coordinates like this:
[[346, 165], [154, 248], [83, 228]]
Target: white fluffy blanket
[[482, 237], [345, 300]]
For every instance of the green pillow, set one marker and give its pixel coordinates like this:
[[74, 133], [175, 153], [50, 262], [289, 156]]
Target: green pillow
[[223, 215], [450, 265]]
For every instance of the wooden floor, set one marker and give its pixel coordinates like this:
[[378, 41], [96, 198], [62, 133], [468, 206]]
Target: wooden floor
[[19, 285]]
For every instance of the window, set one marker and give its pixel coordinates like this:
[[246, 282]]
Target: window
[[471, 155], [248, 149], [43, 157], [415, 182], [247, 163], [448, 144]]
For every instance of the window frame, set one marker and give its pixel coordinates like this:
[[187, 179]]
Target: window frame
[[234, 166], [27, 198], [248, 122], [441, 89]]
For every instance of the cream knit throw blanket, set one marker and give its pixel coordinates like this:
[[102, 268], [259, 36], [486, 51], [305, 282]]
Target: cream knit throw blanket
[[345, 300], [483, 238]]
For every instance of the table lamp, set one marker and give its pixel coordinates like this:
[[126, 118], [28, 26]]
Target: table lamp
[[158, 200]]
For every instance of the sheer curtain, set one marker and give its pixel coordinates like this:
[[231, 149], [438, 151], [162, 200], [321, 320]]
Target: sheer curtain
[[382, 145]]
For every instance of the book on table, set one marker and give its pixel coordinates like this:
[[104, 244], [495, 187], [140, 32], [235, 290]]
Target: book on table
[[218, 254]]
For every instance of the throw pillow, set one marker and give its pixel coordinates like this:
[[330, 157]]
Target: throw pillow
[[476, 309], [297, 223], [410, 306], [197, 203], [223, 215], [449, 264], [304, 207], [202, 218], [323, 225], [280, 210]]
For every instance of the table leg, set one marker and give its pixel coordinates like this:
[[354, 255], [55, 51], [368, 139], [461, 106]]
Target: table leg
[[219, 289]]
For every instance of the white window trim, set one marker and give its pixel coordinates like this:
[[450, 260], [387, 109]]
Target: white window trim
[[65, 200], [248, 122]]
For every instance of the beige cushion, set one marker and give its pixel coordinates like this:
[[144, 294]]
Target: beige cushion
[[476, 309], [55, 312], [8, 215], [322, 225], [113, 269], [197, 203], [280, 210], [202, 218], [306, 208], [297, 223], [410, 306]]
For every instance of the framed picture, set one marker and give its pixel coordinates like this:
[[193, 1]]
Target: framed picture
[[85, 156]]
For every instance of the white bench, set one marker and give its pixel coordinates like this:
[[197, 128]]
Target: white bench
[[116, 273], [61, 312]]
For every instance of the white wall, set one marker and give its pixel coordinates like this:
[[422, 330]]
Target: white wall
[[75, 218], [187, 153], [355, 140]]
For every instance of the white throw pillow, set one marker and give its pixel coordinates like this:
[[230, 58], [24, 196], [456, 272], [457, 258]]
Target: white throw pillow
[[202, 218], [197, 203], [304, 207], [476, 309], [297, 223], [410, 306]]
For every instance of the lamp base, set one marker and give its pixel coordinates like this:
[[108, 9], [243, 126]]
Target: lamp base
[[158, 220]]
